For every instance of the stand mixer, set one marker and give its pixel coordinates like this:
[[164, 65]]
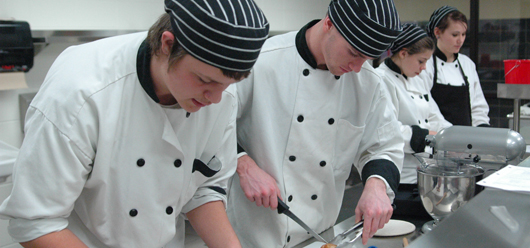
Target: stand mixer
[[461, 156]]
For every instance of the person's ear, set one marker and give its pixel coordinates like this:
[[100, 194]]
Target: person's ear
[[437, 32], [167, 41], [327, 23], [403, 53]]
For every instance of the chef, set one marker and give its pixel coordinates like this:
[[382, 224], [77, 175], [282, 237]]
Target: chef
[[455, 86], [408, 84], [310, 109], [121, 144]]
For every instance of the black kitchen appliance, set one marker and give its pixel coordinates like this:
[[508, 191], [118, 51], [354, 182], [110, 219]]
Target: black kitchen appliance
[[16, 46]]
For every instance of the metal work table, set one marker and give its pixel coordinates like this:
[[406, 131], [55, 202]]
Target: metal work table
[[516, 92], [474, 225]]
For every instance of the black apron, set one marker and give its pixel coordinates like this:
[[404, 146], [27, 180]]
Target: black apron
[[454, 101]]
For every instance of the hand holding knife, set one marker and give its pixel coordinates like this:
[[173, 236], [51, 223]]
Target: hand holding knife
[[284, 209]]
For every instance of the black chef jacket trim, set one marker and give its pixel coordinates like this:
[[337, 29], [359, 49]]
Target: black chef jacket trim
[[240, 149], [218, 190], [417, 141], [143, 68], [438, 53], [203, 168], [384, 168], [394, 67], [301, 45]]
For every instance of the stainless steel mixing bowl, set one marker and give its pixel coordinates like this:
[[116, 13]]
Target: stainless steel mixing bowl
[[444, 189]]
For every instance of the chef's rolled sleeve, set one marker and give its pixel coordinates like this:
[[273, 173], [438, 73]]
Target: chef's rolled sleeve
[[22, 230], [44, 190], [384, 170], [203, 196], [381, 151]]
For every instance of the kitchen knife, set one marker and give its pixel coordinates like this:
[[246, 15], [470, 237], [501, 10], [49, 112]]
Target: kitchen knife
[[284, 209]]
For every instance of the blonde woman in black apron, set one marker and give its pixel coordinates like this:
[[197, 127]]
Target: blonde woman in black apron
[[456, 85]]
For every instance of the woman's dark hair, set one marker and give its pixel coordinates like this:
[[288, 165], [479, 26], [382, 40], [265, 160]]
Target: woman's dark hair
[[456, 16], [177, 52]]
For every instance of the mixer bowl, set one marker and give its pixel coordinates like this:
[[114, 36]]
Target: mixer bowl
[[443, 190]]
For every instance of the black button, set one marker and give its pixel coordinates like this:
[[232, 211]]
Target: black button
[[187, 114], [288, 238], [133, 212], [443, 63], [397, 76], [456, 65], [322, 163], [305, 72], [469, 146], [426, 121], [290, 198], [419, 122], [331, 121], [412, 97], [177, 163], [314, 197], [292, 158], [300, 118], [140, 162], [169, 210], [337, 77], [421, 97]]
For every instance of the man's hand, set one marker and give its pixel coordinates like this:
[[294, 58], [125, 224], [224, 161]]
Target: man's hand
[[258, 185], [374, 206]]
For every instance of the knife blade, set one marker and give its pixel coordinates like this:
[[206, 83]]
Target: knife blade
[[284, 209]]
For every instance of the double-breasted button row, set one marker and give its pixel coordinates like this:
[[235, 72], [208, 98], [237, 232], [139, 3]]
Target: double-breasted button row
[[134, 212], [141, 162], [301, 119]]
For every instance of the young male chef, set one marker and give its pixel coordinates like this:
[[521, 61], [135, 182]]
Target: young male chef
[[121, 142], [310, 109]]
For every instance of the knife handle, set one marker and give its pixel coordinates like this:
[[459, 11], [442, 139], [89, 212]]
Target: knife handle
[[282, 206]]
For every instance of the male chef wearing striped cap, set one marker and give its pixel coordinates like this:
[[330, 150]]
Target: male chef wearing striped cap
[[311, 108], [131, 134]]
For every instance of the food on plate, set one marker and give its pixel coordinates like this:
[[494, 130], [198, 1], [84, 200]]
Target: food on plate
[[329, 246]]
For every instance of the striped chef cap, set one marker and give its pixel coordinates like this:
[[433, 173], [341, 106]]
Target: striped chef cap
[[411, 34], [370, 26], [437, 16], [226, 34]]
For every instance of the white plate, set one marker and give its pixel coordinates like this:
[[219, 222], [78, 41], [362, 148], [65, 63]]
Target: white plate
[[395, 228]]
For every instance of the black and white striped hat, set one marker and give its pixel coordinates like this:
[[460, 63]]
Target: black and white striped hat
[[411, 34], [226, 34], [437, 16], [370, 26]]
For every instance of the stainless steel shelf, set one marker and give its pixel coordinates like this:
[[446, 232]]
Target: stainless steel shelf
[[513, 91], [516, 92]]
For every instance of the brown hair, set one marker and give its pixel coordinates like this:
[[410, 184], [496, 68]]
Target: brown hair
[[177, 52], [456, 16]]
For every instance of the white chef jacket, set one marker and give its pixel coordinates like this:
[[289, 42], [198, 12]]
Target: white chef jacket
[[306, 127], [103, 159], [449, 74], [412, 101]]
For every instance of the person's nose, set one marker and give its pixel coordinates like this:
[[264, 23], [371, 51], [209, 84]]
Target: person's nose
[[460, 40], [356, 65], [214, 95]]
